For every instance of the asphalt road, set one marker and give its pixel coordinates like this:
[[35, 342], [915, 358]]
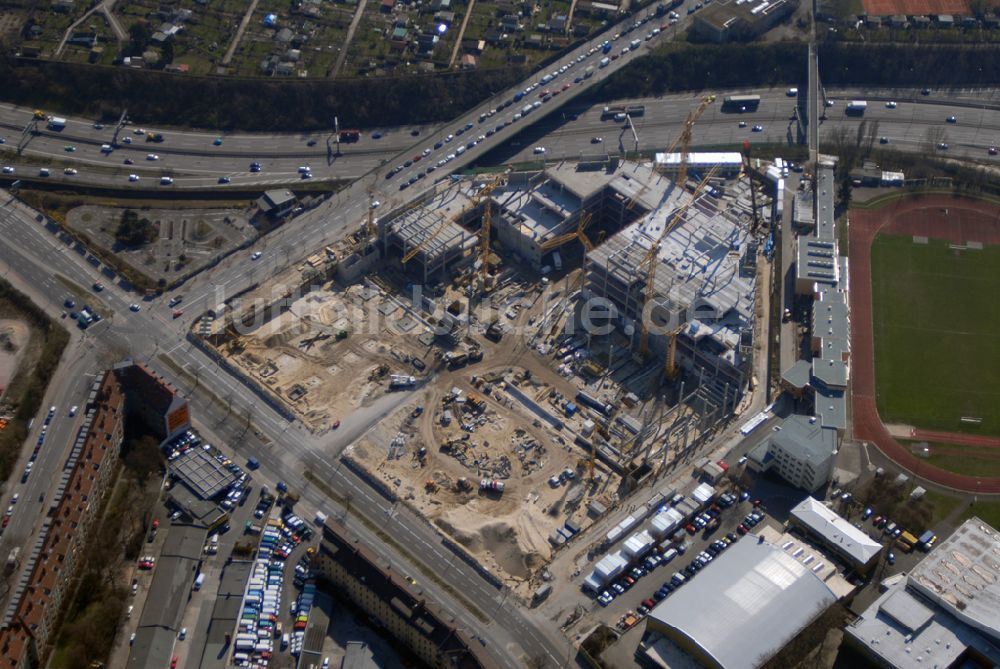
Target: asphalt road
[[906, 127], [285, 449], [192, 159]]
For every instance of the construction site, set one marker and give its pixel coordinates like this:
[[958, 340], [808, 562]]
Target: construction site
[[555, 337]]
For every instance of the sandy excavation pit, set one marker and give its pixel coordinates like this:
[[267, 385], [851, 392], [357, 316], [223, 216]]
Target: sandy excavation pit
[[324, 356], [439, 469]]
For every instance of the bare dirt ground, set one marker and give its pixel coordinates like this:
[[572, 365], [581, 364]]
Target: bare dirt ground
[[188, 238], [13, 336], [438, 466], [327, 355]]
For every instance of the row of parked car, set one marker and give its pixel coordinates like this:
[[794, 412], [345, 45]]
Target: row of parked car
[[700, 561]]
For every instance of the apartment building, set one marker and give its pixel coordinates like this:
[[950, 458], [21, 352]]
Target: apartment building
[[28, 625]]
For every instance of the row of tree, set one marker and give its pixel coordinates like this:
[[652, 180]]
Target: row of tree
[[311, 104], [250, 104]]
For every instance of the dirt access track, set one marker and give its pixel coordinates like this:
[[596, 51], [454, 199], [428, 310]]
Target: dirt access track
[[919, 215]]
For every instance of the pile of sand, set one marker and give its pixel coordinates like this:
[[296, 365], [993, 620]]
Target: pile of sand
[[286, 336], [512, 543]]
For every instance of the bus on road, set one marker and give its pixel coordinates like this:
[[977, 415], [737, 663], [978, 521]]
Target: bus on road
[[740, 103]]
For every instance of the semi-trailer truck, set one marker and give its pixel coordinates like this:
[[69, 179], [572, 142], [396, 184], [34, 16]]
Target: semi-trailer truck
[[857, 107]]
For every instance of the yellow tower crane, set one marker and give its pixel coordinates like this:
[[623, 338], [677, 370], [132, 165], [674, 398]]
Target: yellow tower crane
[[476, 200], [651, 261], [579, 233], [484, 229], [683, 141]]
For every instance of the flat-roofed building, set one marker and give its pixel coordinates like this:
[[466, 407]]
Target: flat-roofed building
[[743, 607], [945, 613]]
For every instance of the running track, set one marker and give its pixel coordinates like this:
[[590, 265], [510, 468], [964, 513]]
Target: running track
[[965, 220]]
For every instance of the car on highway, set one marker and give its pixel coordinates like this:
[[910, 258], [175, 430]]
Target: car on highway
[[152, 156], [742, 124], [133, 177], [891, 558], [256, 255], [217, 141], [449, 138], [596, 140], [7, 169], [335, 424], [943, 146], [891, 104], [883, 140], [992, 150], [128, 161], [175, 300], [758, 128], [376, 135], [224, 179], [127, 139], [425, 152], [255, 166], [173, 662], [178, 313], [539, 150], [166, 181], [98, 126], [376, 203], [70, 171], [134, 307], [98, 286], [952, 119], [69, 148]]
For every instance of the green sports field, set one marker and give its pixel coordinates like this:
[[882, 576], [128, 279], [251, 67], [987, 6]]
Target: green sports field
[[936, 314]]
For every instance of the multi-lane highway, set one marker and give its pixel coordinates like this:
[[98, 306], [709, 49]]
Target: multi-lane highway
[[193, 159], [34, 255]]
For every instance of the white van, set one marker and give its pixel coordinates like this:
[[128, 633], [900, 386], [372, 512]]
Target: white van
[[200, 581], [605, 62]]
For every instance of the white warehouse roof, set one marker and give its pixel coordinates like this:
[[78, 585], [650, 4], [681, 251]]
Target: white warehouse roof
[[703, 493], [962, 575], [610, 566], [700, 158], [745, 605], [638, 543], [836, 531], [666, 522]]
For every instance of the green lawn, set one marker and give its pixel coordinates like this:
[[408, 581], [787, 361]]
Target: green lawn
[[988, 511], [937, 334]]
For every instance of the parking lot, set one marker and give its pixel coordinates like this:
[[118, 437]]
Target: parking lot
[[677, 556]]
